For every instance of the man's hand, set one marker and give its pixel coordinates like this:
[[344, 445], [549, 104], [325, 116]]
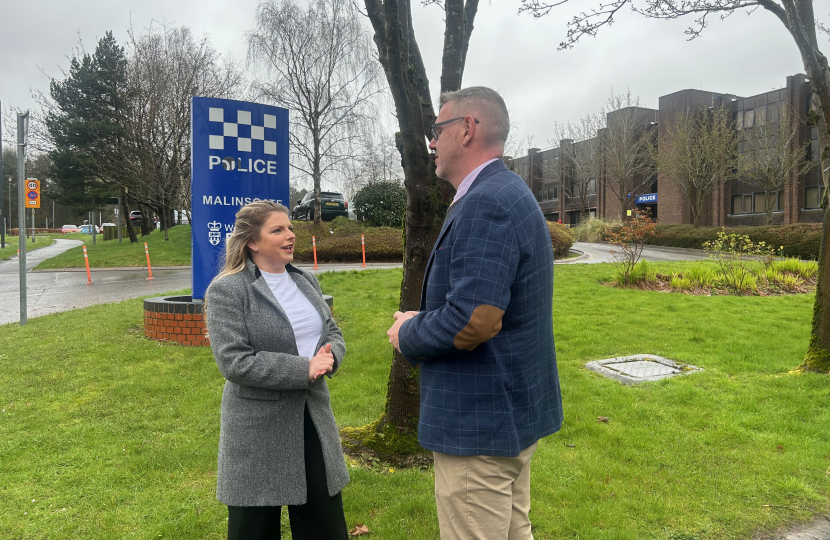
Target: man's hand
[[321, 363], [400, 318]]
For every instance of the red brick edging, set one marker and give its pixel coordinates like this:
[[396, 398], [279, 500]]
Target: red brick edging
[[175, 318]]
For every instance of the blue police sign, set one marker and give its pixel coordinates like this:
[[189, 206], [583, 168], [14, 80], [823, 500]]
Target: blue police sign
[[239, 154], [646, 199]]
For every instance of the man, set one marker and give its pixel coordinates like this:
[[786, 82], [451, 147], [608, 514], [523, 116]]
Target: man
[[484, 332]]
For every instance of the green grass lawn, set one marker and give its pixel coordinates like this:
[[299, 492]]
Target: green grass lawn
[[104, 434], [12, 244], [110, 254]]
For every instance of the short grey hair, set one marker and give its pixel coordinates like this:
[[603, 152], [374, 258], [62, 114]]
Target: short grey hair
[[487, 106]]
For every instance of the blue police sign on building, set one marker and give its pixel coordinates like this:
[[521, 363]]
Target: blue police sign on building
[[646, 199], [239, 154]]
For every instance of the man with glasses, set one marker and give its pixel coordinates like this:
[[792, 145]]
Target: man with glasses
[[484, 332]]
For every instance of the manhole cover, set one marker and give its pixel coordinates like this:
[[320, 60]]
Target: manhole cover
[[640, 368]]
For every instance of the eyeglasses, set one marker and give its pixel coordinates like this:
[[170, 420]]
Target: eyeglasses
[[436, 132]]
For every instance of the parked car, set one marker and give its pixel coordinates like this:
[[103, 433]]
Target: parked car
[[66, 229], [87, 229], [135, 218], [331, 205]]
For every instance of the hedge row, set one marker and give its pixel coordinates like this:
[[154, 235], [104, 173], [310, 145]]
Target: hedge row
[[800, 240], [339, 241], [13, 232]]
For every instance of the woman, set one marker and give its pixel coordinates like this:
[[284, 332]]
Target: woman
[[274, 338]]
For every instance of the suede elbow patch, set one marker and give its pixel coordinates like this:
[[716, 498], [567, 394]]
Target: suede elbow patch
[[485, 323]]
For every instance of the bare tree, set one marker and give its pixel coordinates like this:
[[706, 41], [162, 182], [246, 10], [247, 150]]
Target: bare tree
[[628, 144], [771, 153], [320, 67], [701, 154], [581, 159], [799, 19], [167, 66]]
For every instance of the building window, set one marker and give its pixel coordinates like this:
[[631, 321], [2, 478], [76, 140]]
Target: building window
[[749, 118], [592, 186], [813, 196], [739, 120], [753, 203]]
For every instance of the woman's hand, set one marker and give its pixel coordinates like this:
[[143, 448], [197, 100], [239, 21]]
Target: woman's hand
[[321, 363]]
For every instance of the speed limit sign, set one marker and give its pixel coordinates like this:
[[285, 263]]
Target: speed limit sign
[[32, 193]]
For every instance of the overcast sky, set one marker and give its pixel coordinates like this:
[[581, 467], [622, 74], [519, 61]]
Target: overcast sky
[[516, 54]]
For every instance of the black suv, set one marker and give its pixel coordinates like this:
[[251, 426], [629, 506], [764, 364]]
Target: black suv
[[331, 205]]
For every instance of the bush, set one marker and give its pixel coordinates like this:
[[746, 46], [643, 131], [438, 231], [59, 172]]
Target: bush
[[630, 239], [594, 229], [801, 240], [561, 238], [382, 204]]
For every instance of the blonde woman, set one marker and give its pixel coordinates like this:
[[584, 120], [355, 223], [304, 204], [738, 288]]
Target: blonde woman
[[274, 339]]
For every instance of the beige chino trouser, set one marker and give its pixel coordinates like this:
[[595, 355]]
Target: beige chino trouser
[[483, 497]]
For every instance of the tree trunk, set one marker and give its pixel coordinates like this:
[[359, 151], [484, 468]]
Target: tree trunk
[[800, 22], [818, 352], [394, 434], [145, 219], [768, 206], [125, 216]]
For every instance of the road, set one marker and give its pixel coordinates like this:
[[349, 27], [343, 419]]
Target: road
[[54, 291], [600, 253]]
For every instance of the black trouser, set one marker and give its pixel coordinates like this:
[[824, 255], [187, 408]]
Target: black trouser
[[321, 518]]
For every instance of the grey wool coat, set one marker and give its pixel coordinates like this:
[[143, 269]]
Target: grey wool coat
[[261, 459]]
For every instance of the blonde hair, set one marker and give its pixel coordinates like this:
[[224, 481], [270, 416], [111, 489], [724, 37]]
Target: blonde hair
[[249, 222]]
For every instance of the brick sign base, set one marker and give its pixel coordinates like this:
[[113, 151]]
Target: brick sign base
[[175, 318], [179, 319]]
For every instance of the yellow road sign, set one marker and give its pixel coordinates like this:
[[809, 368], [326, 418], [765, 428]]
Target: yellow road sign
[[32, 193]]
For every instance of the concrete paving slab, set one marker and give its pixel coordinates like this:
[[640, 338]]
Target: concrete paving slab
[[640, 368]]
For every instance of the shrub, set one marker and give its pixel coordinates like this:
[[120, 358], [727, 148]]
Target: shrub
[[382, 204], [801, 240], [561, 238], [630, 240], [734, 254], [593, 229]]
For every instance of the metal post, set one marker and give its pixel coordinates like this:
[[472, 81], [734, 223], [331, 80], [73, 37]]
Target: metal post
[[118, 217], [22, 129], [92, 225], [33, 225]]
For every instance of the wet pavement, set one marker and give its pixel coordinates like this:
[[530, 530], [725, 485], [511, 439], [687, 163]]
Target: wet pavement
[[593, 253], [52, 291]]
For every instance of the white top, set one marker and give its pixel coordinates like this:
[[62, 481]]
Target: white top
[[305, 320], [465, 185]]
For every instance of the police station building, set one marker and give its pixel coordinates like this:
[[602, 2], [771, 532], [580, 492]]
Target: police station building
[[551, 173]]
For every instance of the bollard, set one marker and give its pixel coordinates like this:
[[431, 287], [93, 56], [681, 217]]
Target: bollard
[[314, 247], [86, 260], [149, 268], [363, 247]]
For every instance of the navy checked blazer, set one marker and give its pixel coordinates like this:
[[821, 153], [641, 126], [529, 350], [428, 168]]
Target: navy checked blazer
[[484, 334]]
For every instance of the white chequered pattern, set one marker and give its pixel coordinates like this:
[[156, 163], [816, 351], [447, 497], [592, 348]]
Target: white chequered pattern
[[230, 131]]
